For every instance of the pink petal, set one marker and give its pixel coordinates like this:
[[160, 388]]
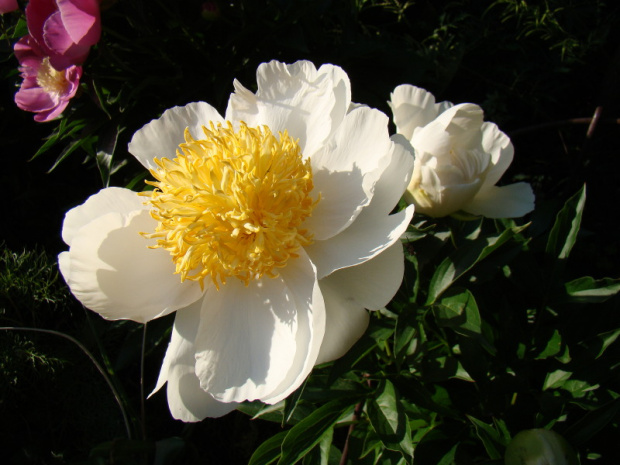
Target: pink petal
[[55, 35], [37, 12], [35, 99], [7, 6], [81, 20], [28, 52]]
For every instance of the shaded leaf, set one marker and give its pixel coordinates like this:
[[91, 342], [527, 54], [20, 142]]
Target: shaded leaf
[[556, 379], [493, 442], [389, 420], [581, 431], [564, 232], [306, 434], [470, 253], [269, 451], [590, 290]]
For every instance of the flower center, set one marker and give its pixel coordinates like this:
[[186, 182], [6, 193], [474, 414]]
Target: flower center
[[50, 79], [232, 204]]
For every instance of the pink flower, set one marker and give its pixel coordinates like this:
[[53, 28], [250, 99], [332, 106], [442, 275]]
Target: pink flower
[[64, 29], [6, 6], [45, 90]]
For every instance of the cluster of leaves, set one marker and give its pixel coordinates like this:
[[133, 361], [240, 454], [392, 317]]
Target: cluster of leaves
[[493, 331], [487, 337]]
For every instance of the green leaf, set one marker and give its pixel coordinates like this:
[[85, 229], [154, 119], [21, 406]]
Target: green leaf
[[320, 454], [106, 145], [291, 403], [458, 310], [169, 450], [269, 451], [306, 434], [564, 232], [390, 457], [389, 420], [606, 339], [581, 431], [590, 290], [449, 458], [470, 253], [556, 379], [493, 442], [553, 347], [405, 337]]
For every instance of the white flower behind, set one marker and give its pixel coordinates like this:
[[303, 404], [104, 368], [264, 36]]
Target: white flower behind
[[458, 158], [268, 233]]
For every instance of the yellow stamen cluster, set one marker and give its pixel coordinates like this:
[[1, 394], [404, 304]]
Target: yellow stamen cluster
[[232, 204], [50, 79]]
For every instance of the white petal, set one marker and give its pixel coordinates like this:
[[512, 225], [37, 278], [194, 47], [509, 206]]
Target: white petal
[[366, 238], [307, 103], [64, 265], [346, 169], [346, 322], [396, 171], [512, 201], [348, 292], [458, 126], [448, 199], [412, 107], [301, 279], [114, 273], [186, 400], [249, 337], [161, 137], [499, 146], [373, 283], [112, 199], [373, 230]]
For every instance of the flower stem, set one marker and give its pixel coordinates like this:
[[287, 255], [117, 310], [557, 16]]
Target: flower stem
[[92, 359]]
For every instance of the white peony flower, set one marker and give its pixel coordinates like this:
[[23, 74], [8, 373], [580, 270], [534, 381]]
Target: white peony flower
[[268, 232], [458, 158]]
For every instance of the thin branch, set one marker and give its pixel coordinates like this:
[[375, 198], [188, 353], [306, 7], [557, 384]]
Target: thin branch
[[89, 355], [357, 413], [564, 122]]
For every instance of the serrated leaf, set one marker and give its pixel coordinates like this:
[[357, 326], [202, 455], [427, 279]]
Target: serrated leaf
[[269, 451], [306, 434], [589, 290], [389, 420]]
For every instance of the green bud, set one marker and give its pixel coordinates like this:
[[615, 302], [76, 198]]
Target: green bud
[[539, 447]]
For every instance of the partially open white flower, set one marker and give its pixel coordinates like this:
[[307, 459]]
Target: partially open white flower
[[268, 232], [458, 158]]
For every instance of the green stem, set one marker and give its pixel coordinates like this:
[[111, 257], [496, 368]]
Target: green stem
[[89, 355]]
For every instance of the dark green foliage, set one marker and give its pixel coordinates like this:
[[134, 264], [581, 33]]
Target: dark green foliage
[[499, 325]]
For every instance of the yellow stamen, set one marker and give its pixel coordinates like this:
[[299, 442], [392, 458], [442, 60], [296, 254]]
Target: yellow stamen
[[50, 79], [232, 204]]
